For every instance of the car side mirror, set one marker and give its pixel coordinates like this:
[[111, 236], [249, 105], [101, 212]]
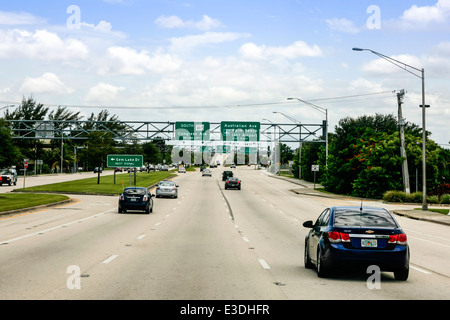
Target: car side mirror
[[308, 224]]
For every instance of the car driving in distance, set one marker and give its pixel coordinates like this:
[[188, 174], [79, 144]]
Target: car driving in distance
[[8, 176], [233, 183], [206, 172], [136, 198], [356, 236], [181, 170], [167, 188], [226, 174]]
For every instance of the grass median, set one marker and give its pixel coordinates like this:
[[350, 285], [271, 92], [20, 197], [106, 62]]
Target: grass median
[[106, 185], [45, 194]]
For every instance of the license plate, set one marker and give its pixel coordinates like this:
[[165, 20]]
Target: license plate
[[369, 243], [133, 199]]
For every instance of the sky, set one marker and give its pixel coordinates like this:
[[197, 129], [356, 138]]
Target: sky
[[213, 61]]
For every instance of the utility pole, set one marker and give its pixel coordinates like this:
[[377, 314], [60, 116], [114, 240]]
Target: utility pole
[[401, 123]]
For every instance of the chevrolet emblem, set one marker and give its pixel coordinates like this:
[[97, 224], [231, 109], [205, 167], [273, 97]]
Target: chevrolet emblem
[[370, 231]]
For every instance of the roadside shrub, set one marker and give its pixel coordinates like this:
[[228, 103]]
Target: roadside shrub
[[432, 199], [415, 197], [394, 196], [445, 199]]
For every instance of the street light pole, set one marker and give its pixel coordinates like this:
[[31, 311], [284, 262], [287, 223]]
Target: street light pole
[[421, 75]]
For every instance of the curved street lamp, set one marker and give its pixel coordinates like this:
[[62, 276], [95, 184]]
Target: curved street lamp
[[420, 73]]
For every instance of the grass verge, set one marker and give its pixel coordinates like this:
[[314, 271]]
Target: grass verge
[[442, 211], [17, 201]]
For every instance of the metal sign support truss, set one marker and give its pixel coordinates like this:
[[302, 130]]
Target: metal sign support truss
[[151, 130]]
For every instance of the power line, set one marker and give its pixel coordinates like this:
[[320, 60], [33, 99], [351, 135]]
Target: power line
[[11, 104]]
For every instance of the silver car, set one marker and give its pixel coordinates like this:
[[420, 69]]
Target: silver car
[[167, 189]]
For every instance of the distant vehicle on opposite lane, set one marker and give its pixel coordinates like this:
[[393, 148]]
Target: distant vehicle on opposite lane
[[8, 176], [356, 237], [136, 198]]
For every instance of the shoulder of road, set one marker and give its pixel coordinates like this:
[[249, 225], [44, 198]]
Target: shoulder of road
[[309, 188]]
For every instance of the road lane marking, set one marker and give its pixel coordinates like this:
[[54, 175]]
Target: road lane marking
[[245, 239], [420, 270], [264, 264], [110, 259], [142, 236], [53, 228]]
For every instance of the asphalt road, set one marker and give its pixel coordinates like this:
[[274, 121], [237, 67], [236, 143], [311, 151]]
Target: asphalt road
[[208, 244]]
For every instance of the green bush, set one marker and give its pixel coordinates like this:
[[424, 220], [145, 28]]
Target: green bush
[[432, 199], [394, 196], [415, 197], [445, 199]]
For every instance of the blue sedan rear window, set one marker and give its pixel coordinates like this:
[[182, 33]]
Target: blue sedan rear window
[[364, 218], [134, 191]]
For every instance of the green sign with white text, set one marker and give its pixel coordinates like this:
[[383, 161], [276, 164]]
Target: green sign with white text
[[240, 131], [124, 161]]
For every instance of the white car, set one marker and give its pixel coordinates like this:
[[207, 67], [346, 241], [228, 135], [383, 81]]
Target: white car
[[181, 170], [206, 172]]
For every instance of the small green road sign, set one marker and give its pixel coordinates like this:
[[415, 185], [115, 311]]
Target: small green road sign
[[240, 131], [124, 161], [198, 131]]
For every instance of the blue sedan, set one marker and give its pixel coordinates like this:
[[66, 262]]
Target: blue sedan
[[136, 198], [356, 236]]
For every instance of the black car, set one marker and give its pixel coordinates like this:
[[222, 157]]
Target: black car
[[233, 182], [356, 237], [226, 175], [136, 198]]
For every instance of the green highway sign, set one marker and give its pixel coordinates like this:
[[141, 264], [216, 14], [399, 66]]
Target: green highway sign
[[124, 161], [240, 131], [199, 131]]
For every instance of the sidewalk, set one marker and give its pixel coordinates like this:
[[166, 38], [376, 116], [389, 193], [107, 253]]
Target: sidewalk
[[307, 188]]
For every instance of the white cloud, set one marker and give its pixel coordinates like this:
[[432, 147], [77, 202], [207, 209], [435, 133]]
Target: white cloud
[[103, 93], [47, 83], [40, 45], [296, 50], [185, 44], [342, 25], [174, 22], [18, 18], [128, 61], [422, 17]]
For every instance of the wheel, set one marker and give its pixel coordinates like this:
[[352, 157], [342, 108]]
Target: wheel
[[307, 259], [402, 274], [119, 210], [322, 270]]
